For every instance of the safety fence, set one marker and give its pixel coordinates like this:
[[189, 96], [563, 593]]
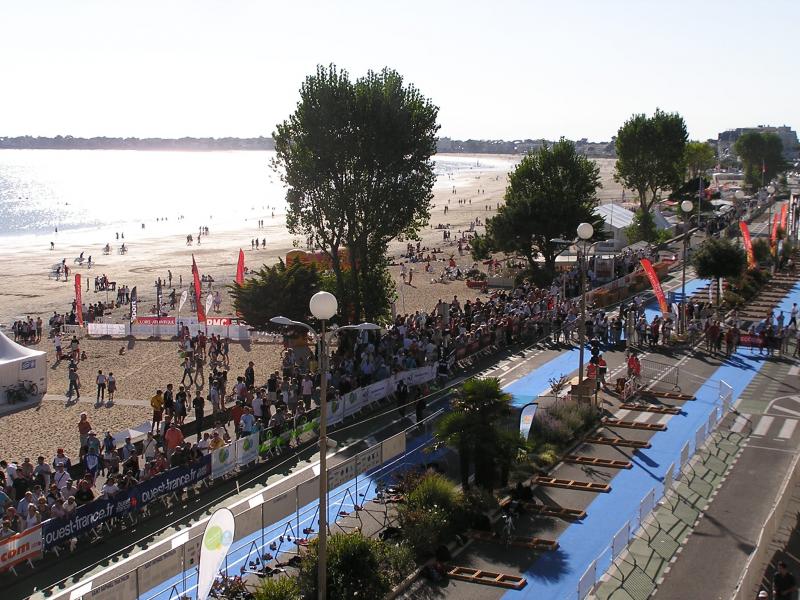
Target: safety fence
[[655, 373], [607, 558], [279, 519]]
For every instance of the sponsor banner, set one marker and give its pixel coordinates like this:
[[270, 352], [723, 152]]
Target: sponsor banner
[[85, 518], [134, 304], [156, 321], [184, 297], [21, 547], [526, 419], [748, 245], [171, 481], [247, 449], [219, 321], [209, 302], [161, 568], [217, 539], [341, 473], [78, 299], [119, 588], [752, 341], [369, 459], [112, 329], [394, 446], [651, 275], [223, 461], [784, 216]]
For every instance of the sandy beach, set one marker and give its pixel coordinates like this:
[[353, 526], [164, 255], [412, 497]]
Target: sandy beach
[[146, 365]]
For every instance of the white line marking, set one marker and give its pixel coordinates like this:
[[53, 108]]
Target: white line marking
[[764, 423], [795, 370], [620, 415], [786, 410], [663, 420], [788, 429], [643, 417], [740, 422]]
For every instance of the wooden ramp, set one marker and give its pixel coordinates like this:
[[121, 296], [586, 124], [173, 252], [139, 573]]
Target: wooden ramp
[[503, 580], [533, 543], [621, 442], [597, 462], [667, 395], [653, 408], [634, 425], [571, 484]]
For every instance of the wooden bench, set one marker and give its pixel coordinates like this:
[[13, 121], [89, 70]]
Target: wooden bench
[[621, 442], [533, 543], [571, 484], [597, 462], [503, 580], [634, 425], [567, 514], [653, 408], [667, 395]]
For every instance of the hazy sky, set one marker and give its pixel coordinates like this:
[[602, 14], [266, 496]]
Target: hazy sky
[[497, 69]]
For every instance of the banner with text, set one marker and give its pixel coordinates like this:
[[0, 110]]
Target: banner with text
[[223, 461], [247, 449], [651, 275], [21, 547]]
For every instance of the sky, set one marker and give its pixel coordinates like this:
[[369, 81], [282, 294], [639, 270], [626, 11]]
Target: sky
[[497, 69]]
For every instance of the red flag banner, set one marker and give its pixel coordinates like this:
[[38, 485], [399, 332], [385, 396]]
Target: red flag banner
[[748, 245], [773, 238], [651, 275], [784, 216], [78, 299], [201, 313], [240, 268]]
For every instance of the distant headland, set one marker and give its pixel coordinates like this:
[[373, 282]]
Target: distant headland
[[445, 145]]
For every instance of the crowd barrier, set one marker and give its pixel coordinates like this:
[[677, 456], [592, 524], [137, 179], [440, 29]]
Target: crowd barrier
[[654, 372], [266, 516], [620, 540]]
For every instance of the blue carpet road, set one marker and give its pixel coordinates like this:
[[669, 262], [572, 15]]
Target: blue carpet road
[[555, 575]]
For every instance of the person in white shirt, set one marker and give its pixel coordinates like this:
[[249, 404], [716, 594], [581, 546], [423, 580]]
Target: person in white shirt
[[203, 445], [43, 471], [61, 477], [101, 386], [109, 488], [149, 447]]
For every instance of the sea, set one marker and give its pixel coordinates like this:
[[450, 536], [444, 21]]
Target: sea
[[47, 194]]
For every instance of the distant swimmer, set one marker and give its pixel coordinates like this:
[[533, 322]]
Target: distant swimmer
[[52, 246]]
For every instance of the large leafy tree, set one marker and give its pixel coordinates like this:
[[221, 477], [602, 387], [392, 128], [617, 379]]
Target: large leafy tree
[[719, 258], [550, 192], [651, 154], [356, 159], [699, 157], [757, 151], [473, 430], [277, 290]]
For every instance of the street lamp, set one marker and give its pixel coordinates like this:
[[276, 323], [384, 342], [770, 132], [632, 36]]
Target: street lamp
[[585, 232], [739, 195], [323, 306], [686, 207]]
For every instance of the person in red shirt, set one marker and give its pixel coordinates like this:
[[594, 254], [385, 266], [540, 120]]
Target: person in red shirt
[[173, 438], [236, 413]]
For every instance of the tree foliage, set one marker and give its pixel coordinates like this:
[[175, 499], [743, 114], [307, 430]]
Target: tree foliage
[[277, 290], [698, 157], [356, 159], [757, 150], [278, 588], [358, 567], [550, 192], [472, 428], [651, 155], [719, 258]]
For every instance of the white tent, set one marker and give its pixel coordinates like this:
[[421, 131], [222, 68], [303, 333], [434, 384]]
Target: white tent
[[18, 363]]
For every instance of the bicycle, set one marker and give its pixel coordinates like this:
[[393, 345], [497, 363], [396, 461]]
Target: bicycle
[[21, 391], [507, 529]]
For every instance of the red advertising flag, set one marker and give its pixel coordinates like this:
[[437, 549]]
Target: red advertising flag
[[78, 300], [748, 245], [774, 226], [201, 313], [240, 268], [651, 275], [784, 216]]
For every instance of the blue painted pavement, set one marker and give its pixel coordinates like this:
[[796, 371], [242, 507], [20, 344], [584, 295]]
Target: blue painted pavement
[[555, 575]]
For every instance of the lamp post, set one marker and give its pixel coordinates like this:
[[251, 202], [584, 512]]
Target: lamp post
[[323, 306], [585, 232], [739, 195], [686, 208], [770, 200]]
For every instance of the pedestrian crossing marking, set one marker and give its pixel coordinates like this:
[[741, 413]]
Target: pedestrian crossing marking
[[739, 423], [643, 417], [663, 420], [786, 410], [763, 425], [787, 429], [795, 370]]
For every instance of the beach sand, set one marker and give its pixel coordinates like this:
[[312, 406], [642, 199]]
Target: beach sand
[[146, 365]]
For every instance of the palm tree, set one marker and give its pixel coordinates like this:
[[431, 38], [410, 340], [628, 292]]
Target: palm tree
[[472, 430], [717, 259]]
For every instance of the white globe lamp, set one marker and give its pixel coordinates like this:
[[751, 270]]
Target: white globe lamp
[[687, 206], [323, 305], [739, 194], [585, 231], [771, 189]]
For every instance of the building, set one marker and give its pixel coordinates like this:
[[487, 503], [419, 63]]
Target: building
[[726, 139]]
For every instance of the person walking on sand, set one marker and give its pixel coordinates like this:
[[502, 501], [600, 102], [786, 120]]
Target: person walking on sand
[[112, 386], [101, 386], [157, 403], [74, 384]]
